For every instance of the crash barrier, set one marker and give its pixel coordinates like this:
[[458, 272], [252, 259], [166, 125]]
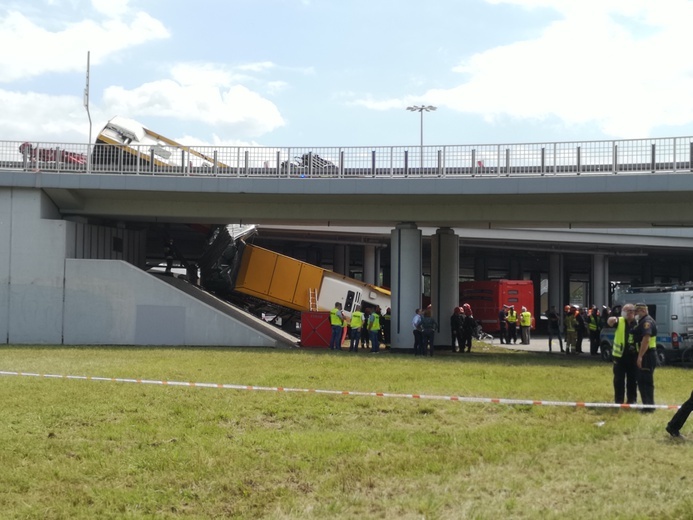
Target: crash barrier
[[484, 400], [673, 154]]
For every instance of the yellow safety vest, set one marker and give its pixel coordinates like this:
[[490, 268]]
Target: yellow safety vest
[[375, 324], [526, 319], [356, 319], [620, 338], [335, 318], [594, 322], [512, 317]]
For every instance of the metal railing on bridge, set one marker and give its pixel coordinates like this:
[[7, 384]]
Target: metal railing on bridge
[[650, 155]]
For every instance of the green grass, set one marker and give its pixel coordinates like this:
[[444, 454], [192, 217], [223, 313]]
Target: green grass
[[96, 449]]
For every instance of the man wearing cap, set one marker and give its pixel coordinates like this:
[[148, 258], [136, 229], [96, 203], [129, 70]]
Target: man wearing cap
[[624, 356], [503, 332], [645, 338]]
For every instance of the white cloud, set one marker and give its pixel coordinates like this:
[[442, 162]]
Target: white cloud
[[620, 64], [234, 106], [31, 116], [30, 50]]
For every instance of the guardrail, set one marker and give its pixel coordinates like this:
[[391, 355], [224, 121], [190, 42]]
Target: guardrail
[[673, 154]]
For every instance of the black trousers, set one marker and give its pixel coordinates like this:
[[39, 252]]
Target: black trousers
[[503, 334], [594, 342], [512, 332], [646, 377], [626, 378], [418, 342], [679, 418]]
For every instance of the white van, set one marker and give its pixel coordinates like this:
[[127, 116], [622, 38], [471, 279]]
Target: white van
[[671, 307]]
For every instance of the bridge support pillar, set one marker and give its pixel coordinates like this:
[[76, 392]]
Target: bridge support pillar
[[371, 264], [406, 282], [445, 280], [600, 280], [556, 297]]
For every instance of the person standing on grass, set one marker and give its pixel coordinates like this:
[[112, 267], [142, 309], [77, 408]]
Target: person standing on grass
[[554, 326], [374, 330], [469, 327], [356, 324], [429, 326], [645, 337], [569, 325], [455, 328], [624, 355], [679, 419], [336, 321], [503, 326], [418, 331]]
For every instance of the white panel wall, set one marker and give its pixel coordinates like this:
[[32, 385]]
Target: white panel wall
[[110, 302]]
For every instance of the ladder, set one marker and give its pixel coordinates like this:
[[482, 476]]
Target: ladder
[[312, 300]]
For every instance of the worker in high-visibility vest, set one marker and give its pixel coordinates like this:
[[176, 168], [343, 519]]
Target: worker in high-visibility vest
[[374, 330], [624, 356], [511, 319], [336, 322], [594, 327], [525, 325], [356, 324], [645, 337]]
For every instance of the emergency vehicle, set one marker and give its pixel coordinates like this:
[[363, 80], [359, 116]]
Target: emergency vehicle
[[671, 306], [488, 297]]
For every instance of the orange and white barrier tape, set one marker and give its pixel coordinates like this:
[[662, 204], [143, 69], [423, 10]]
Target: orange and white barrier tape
[[225, 386]]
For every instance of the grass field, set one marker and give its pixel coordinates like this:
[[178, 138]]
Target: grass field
[[101, 449]]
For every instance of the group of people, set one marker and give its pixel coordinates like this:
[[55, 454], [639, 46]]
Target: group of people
[[577, 324], [508, 321], [634, 356], [463, 328], [367, 328]]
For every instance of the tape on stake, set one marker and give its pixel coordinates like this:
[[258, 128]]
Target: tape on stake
[[485, 400]]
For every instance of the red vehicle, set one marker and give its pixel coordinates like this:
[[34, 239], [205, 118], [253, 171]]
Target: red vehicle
[[488, 297], [51, 155]]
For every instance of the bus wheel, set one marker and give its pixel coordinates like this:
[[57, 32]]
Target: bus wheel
[[661, 357]]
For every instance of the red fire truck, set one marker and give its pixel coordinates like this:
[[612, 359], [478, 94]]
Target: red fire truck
[[488, 297]]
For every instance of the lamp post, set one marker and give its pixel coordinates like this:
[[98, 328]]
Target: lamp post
[[421, 109]]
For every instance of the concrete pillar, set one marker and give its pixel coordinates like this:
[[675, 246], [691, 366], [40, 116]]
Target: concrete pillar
[[600, 280], [406, 282], [556, 297], [445, 280], [369, 264], [341, 259]]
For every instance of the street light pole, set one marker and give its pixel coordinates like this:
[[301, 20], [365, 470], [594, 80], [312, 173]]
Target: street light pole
[[421, 109]]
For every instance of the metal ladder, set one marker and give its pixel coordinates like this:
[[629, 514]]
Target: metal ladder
[[313, 300]]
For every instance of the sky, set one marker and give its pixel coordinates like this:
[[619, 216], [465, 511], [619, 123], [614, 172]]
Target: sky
[[284, 73]]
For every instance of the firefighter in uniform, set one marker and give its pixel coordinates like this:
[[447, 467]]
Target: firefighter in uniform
[[512, 324], [356, 324], [336, 321], [624, 355], [645, 338], [569, 325], [503, 332]]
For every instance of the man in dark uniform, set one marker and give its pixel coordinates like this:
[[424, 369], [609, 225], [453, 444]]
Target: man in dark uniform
[[645, 339], [503, 332], [679, 418]]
